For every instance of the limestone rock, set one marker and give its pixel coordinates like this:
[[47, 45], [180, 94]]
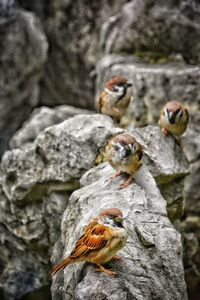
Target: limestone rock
[[22, 55], [151, 265], [40, 119], [73, 29], [155, 28], [35, 183]]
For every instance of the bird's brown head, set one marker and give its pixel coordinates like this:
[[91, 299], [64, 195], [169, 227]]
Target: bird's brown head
[[112, 216], [123, 146], [174, 112], [118, 86]]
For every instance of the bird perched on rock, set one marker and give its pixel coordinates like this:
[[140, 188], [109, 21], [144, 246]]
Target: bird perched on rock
[[174, 118], [124, 154], [116, 97], [102, 238]]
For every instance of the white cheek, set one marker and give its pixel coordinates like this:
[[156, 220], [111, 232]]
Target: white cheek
[[129, 91]]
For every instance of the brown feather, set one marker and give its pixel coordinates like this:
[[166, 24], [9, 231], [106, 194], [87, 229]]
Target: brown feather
[[103, 94], [92, 239], [115, 80], [63, 264]]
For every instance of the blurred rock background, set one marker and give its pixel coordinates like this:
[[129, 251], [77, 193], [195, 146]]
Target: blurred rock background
[[55, 56]]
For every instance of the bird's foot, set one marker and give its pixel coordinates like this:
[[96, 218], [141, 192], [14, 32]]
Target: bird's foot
[[164, 131], [116, 258], [178, 141], [107, 271], [126, 183], [116, 174]]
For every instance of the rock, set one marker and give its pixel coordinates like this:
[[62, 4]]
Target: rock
[[156, 29], [168, 165], [40, 119], [153, 86], [22, 55], [74, 51], [151, 265], [190, 223], [37, 178], [35, 183]]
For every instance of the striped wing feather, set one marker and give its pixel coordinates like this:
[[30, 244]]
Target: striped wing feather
[[92, 239]]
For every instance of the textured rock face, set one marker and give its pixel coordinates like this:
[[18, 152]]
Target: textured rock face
[[40, 119], [151, 265], [155, 41], [154, 85], [35, 185], [73, 29], [157, 28], [22, 54]]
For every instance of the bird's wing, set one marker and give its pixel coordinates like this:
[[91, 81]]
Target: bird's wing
[[102, 96], [92, 239], [187, 114]]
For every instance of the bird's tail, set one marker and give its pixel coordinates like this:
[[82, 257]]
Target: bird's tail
[[63, 264]]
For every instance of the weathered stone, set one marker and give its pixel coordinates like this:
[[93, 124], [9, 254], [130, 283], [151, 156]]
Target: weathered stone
[[75, 49], [153, 86], [22, 54], [35, 183], [37, 178], [151, 265], [59, 155], [156, 29], [40, 119]]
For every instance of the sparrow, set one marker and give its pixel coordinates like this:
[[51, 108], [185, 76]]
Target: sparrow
[[174, 118], [115, 98], [102, 238], [124, 154]]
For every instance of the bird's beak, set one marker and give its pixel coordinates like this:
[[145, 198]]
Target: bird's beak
[[129, 84], [171, 116], [119, 220]]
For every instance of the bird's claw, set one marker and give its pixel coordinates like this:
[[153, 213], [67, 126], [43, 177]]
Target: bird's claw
[[107, 271], [116, 258], [126, 183]]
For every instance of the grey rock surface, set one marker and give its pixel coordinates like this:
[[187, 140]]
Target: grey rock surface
[[151, 265], [36, 181], [168, 164], [157, 28], [22, 55], [73, 29], [40, 119]]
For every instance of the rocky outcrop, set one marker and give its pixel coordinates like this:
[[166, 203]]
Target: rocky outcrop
[[155, 43], [156, 29], [152, 256], [36, 181], [22, 55], [153, 85], [40, 119], [35, 184]]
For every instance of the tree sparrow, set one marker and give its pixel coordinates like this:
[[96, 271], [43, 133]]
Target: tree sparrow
[[174, 118], [116, 97], [102, 238], [124, 154]]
